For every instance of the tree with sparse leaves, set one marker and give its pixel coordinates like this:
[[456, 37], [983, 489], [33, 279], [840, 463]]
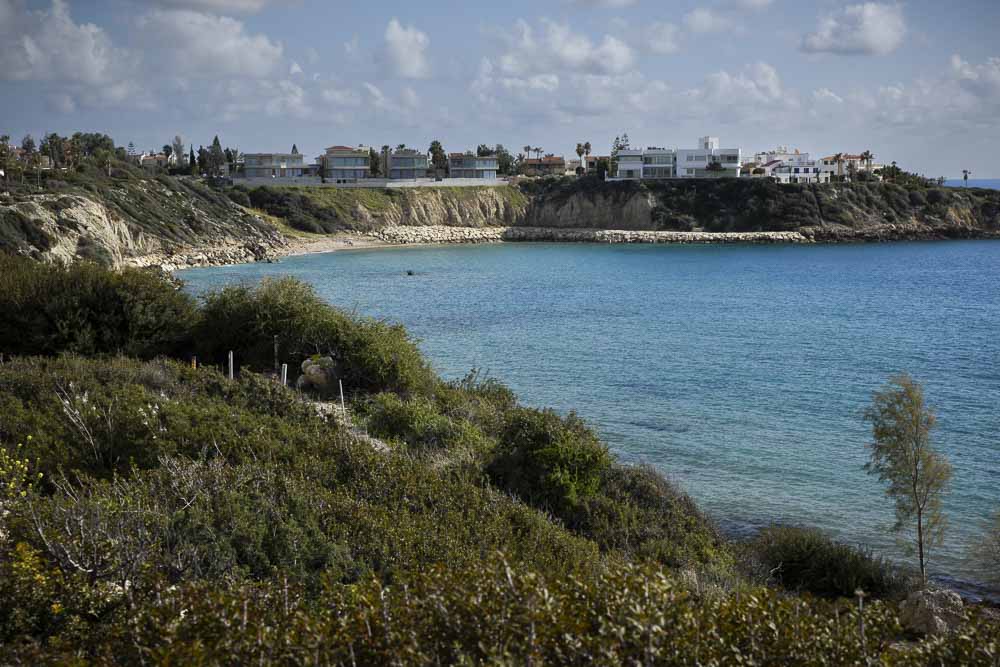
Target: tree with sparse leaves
[[903, 457]]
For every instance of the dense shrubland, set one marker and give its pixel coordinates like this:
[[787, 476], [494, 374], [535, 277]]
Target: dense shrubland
[[182, 517]]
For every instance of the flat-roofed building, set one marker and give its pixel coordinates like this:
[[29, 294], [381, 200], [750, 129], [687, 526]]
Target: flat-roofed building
[[405, 163], [550, 165], [344, 164], [275, 165], [470, 165], [708, 160]]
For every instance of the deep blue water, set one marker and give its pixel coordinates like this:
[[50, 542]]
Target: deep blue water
[[991, 183], [740, 371]]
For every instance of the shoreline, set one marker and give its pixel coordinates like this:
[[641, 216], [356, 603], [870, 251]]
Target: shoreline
[[415, 236]]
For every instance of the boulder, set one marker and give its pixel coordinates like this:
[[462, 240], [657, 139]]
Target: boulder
[[931, 612], [319, 374]]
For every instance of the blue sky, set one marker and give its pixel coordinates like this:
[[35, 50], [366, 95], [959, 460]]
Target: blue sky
[[916, 81]]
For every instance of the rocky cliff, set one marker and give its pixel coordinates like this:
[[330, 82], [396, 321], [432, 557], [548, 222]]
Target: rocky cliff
[[137, 222], [175, 222], [839, 212]]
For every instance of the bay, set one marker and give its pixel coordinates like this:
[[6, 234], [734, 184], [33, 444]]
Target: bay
[[741, 372]]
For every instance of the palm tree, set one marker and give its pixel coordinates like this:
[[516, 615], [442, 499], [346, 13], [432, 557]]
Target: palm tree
[[586, 151], [579, 152], [839, 160], [867, 158], [965, 176], [527, 150], [538, 152]]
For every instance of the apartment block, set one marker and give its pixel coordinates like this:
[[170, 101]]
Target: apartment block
[[470, 165], [405, 163], [274, 165], [344, 164]]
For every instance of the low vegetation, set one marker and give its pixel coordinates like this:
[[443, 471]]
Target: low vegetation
[[155, 512]]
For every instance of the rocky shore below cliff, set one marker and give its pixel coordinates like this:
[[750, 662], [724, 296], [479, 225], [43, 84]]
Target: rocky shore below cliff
[[446, 234]]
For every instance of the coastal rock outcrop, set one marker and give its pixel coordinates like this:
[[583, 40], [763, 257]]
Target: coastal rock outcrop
[[69, 227], [931, 612]]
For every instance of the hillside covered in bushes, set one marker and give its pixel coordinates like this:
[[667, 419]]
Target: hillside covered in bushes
[[123, 215], [156, 511]]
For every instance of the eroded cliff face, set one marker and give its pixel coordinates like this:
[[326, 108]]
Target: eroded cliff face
[[420, 207], [71, 227], [840, 212]]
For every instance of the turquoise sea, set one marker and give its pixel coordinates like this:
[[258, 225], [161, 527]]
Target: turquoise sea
[[740, 371]]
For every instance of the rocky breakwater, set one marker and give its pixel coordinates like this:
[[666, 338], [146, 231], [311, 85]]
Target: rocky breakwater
[[446, 234]]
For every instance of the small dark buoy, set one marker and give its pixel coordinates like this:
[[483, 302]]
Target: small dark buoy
[[410, 273]]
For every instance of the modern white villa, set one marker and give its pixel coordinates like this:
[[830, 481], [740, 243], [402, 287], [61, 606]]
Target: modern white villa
[[344, 164], [709, 160], [276, 165], [405, 164], [470, 165]]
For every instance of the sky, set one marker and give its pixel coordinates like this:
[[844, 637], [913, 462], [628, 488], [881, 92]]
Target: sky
[[917, 82]]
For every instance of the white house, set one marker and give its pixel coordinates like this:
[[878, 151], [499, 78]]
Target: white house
[[708, 161]]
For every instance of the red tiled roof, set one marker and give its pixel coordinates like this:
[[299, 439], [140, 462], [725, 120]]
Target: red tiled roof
[[341, 148]]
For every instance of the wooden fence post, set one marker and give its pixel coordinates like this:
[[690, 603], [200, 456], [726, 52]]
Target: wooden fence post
[[231, 369], [276, 354], [284, 375], [343, 408]]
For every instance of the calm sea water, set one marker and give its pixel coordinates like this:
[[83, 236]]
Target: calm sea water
[[740, 371], [991, 183]]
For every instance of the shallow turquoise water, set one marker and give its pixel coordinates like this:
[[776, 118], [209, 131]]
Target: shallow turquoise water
[[740, 371]]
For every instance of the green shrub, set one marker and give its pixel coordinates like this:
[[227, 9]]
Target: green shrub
[[938, 196], [239, 195], [371, 355], [89, 310], [417, 422], [638, 512], [547, 460], [495, 613], [806, 559]]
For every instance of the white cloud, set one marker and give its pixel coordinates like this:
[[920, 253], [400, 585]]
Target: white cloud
[[604, 4], [294, 69], [870, 28], [980, 80], [341, 97], [661, 38], [76, 64], [352, 48], [560, 48], [825, 96], [754, 5], [706, 20], [406, 48], [195, 45], [758, 83], [216, 6], [47, 45], [409, 98]]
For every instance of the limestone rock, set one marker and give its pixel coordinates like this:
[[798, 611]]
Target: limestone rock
[[931, 612], [318, 374]]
